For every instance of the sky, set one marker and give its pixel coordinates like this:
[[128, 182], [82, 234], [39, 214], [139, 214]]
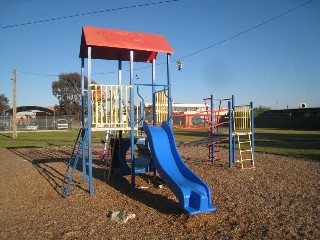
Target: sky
[[264, 51]]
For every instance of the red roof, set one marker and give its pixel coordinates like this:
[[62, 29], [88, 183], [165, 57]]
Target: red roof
[[115, 44]]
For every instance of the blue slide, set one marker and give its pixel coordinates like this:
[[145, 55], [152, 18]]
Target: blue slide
[[193, 194]]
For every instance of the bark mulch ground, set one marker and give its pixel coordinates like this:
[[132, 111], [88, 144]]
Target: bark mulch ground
[[279, 199]]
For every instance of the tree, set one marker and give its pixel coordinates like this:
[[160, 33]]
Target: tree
[[68, 91], [4, 102], [260, 109]]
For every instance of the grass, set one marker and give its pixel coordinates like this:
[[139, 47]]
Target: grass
[[282, 142], [44, 139], [297, 143], [288, 142]]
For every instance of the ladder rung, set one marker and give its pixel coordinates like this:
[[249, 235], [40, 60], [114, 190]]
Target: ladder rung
[[249, 150], [243, 133], [245, 142], [251, 167], [246, 159]]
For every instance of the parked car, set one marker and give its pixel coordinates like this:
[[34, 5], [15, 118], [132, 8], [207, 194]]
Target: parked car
[[33, 126], [62, 124]]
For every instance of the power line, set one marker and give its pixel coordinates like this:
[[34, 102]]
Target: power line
[[210, 46], [86, 14], [39, 74], [247, 30]]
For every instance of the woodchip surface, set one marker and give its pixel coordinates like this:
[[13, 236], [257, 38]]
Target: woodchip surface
[[279, 199]]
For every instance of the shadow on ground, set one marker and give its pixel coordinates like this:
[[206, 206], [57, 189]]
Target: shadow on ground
[[52, 164]]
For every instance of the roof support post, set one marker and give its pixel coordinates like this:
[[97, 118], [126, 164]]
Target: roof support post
[[82, 94], [120, 90], [154, 116], [89, 123], [170, 120], [119, 72], [84, 170], [132, 122]]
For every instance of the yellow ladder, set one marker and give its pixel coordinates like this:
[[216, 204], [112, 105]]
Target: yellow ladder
[[242, 130], [245, 149]]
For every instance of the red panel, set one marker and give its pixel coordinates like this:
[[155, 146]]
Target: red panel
[[115, 44]]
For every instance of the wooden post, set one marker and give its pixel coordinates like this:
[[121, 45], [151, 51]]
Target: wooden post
[[14, 112]]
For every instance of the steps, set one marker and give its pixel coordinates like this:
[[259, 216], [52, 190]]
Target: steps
[[212, 152], [73, 161], [245, 149], [108, 160], [105, 145], [243, 128]]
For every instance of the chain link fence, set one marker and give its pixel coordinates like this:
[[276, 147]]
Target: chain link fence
[[25, 123]]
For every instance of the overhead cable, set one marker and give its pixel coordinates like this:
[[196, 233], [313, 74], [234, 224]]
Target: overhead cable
[[86, 14]]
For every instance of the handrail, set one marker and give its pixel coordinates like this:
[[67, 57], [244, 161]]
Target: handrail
[[142, 103]]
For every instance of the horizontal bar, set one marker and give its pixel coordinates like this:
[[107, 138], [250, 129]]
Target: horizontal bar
[[151, 85]]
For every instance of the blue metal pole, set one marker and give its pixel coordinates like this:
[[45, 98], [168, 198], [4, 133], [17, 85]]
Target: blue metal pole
[[119, 89], [84, 171], [212, 128], [231, 144], [154, 116], [89, 123], [232, 126], [252, 128], [82, 94], [170, 120], [132, 122]]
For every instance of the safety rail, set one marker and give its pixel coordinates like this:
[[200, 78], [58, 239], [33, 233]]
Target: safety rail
[[160, 108], [242, 118], [110, 105], [162, 105]]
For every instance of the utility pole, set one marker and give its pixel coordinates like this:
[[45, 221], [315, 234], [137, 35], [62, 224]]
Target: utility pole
[[14, 112]]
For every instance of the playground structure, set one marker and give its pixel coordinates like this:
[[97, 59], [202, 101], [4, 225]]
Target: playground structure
[[111, 108], [239, 122]]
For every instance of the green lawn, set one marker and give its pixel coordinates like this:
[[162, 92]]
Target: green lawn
[[283, 142], [289, 142], [44, 139]]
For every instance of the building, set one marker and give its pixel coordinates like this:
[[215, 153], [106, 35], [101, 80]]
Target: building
[[296, 118]]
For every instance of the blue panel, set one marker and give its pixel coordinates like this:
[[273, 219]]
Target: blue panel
[[193, 194]]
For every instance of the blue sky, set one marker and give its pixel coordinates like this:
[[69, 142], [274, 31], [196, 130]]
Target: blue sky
[[275, 65]]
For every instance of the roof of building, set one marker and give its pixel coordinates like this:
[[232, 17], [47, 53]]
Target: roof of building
[[116, 44], [292, 110], [31, 108]]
